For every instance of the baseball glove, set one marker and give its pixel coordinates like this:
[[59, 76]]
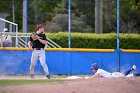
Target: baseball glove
[[34, 36]]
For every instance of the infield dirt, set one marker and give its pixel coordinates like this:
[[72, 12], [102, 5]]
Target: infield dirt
[[100, 85]]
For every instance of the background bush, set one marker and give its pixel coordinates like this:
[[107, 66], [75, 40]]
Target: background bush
[[99, 41]]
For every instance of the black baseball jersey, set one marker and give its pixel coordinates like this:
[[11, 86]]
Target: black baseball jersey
[[37, 43]]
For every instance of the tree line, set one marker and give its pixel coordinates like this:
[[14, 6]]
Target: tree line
[[54, 14]]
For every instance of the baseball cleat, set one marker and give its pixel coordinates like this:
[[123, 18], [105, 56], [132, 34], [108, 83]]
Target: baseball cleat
[[133, 67], [48, 77], [32, 77]]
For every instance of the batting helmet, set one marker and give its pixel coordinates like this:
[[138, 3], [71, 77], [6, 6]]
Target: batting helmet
[[39, 26], [95, 66]]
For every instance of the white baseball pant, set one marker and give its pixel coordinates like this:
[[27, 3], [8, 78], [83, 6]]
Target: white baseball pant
[[38, 54]]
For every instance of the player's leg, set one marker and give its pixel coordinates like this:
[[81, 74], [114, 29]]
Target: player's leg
[[34, 60], [128, 72], [42, 59]]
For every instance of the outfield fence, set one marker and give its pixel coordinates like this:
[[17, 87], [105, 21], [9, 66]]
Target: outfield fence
[[68, 61]]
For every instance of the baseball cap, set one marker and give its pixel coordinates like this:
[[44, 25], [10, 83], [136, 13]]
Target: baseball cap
[[94, 66], [39, 26]]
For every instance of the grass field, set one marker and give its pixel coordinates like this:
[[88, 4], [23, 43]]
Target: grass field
[[23, 82], [10, 80]]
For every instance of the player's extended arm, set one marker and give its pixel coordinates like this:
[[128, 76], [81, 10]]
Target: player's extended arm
[[43, 41], [91, 77], [96, 76]]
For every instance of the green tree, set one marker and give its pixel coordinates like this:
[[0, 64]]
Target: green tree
[[109, 17], [129, 16], [60, 19], [130, 12], [42, 10], [86, 7], [6, 7]]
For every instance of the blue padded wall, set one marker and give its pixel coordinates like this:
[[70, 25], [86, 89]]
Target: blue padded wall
[[64, 62]]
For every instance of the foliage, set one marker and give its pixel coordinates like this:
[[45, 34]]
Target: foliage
[[60, 21], [130, 16], [54, 13], [6, 7], [42, 9], [100, 41]]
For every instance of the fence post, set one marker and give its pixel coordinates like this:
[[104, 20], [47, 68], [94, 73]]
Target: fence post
[[69, 23], [118, 30]]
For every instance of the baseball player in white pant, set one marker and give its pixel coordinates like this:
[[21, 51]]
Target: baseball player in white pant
[[37, 43], [102, 73]]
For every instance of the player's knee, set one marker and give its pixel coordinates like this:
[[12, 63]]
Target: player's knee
[[32, 66]]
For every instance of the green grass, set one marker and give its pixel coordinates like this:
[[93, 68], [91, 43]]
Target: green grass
[[6, 80], [23, 82]]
